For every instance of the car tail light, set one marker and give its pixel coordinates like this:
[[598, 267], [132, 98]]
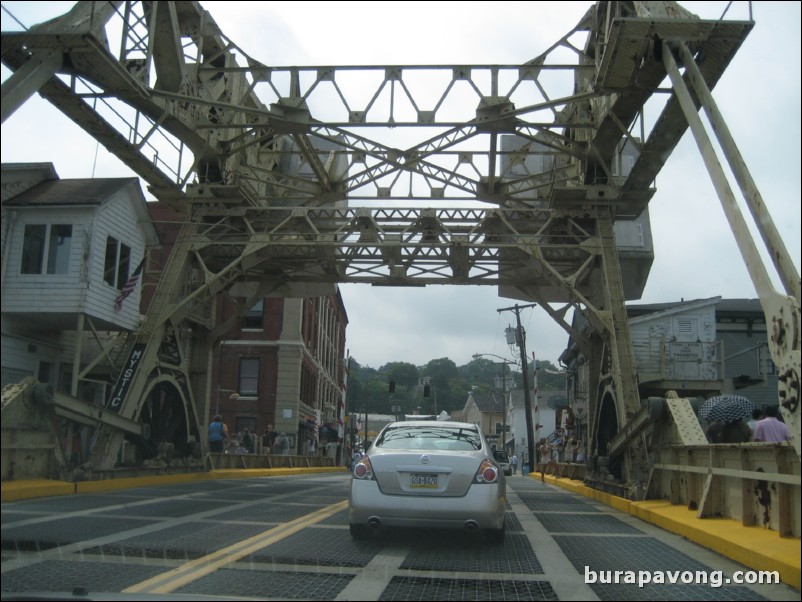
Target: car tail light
[[363, 470], [487, 473]]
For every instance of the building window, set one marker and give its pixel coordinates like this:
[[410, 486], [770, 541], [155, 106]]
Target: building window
[[500, 427], [254, 317], [766, 365], [46, 249], [46, 370], [117, 263], [248, 377], [245, 422]]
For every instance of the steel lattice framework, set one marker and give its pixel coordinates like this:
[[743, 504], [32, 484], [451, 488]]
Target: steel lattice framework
[[297, 175]]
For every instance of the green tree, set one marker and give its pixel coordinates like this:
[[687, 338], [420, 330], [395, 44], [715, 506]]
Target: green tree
[[480, 371], [549, 376], [485, 374], [447, 387], [442, 369], [369, 388], [404, 374], [449, 384]]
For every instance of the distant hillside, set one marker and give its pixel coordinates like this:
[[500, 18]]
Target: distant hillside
[[400, 387]]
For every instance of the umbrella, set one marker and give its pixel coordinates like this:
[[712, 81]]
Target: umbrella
[[726, 408]]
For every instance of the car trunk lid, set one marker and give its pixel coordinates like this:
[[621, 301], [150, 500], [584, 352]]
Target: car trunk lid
[[420, 473]]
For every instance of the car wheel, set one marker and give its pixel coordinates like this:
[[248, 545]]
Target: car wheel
[[360, 532], [496, 536]]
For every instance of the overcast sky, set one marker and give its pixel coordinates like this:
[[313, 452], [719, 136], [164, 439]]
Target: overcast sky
[[695, 252]]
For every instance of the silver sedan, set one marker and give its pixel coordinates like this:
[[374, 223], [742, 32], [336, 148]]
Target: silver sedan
[[428, 474]]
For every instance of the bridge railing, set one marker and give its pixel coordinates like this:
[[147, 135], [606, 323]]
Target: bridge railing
[[756, 483], [234, 461]]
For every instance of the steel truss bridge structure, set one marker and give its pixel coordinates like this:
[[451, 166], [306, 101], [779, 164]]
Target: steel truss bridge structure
[[292, 179]]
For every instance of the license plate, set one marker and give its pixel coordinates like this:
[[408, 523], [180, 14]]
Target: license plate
[[423, 481]]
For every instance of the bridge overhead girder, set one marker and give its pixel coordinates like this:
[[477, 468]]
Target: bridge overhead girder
[[272, 168]]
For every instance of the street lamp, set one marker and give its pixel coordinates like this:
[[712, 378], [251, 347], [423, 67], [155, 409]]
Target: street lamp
[[234, 395], [503, 363]]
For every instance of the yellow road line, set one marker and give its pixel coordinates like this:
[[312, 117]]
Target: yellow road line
[[195, 569]]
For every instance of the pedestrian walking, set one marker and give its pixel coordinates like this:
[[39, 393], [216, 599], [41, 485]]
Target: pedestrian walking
[[514, 463], [356, 457], [284, 444], [217, 434], [268, 439], [756, 416], [770, 429], [546, 458], [248, 442]]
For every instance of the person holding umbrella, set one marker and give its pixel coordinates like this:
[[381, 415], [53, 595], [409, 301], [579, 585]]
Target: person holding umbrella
[[733, 432], [726, 414]]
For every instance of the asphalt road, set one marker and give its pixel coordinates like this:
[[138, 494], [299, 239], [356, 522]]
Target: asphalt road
[[286, 538]]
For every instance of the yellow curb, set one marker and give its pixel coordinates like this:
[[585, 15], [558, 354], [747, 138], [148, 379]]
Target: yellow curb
[[755, 547], [758, 548], [239, 473], [12, 491], [33, 488], [131, 482]]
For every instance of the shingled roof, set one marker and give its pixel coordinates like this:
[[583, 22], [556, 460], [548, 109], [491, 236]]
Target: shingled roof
[[488, 402], [82, 191]]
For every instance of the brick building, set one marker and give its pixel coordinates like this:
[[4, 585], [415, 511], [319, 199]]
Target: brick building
[[281, 363]]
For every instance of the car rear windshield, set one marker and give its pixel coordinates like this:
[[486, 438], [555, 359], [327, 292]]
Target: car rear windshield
[[430, 438]]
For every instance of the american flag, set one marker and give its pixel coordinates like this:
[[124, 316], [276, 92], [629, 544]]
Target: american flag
[[129, 286]]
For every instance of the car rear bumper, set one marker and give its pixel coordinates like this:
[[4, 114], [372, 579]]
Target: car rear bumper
[[482, 507]]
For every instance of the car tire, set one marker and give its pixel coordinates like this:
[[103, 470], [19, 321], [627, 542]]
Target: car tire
[[360, 531], [496, 536]]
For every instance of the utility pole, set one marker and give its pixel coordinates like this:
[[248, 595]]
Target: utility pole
[[503, 363], [391, 389], [365, 443], [503, 408], [520, 339]]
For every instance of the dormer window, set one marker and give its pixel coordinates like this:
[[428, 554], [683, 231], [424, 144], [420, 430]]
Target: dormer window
[[46, 249]]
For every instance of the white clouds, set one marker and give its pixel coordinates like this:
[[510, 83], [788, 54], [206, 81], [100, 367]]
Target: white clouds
[[417, 325], [695, 252]]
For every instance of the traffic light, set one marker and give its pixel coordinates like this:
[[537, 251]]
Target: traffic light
[[392, 386], [427, 389]]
